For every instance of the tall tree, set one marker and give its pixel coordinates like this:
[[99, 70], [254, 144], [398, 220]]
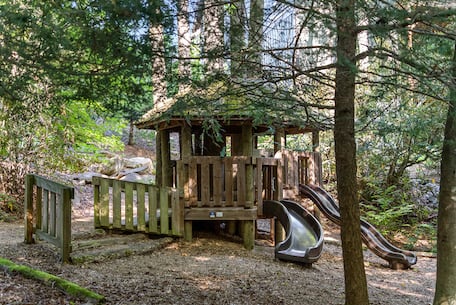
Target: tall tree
[[445, 293], [345, 148], [213, 21]]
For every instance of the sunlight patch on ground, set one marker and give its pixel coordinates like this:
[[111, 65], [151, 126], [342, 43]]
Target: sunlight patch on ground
[[202, 258]]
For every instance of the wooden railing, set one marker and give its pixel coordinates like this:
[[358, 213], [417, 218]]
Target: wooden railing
[[137, 207], [300, 168], [216, 182], [48, 213]]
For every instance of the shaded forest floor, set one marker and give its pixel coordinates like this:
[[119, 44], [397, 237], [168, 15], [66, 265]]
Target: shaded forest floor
[[209, 270]]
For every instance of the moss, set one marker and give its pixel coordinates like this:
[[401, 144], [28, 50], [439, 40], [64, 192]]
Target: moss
[[49, 279]]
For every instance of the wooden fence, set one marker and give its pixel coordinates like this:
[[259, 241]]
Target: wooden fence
[[48, 213], [137, 207], [216, 182], [236, 185], [300, 168]]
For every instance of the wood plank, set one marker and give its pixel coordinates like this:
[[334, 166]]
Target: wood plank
[[205, 185], [141, 209], [39, 207], [45, 226], [52, 214], [279, 181], [259, 185], [129, 206], [192, 182], [177, 216], [29, 182], [164, 220], [241, 184], [117, 204], [228, 163], [217, 182], [249, 185], [181, 177], [104, 202], [96, 202], [52, 186], [48, 238], [228, 213], [153, 223], [65, 230], [58, 216]]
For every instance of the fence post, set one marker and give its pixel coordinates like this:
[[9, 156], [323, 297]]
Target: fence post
[[65, 241], [96, 202], [29, 181]]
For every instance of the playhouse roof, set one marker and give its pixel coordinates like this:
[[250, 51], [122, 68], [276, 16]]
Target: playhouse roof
[[231, 106]]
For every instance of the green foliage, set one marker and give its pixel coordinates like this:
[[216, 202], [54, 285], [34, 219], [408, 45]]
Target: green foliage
[[8, 207], [389, 208], [61, 60], [393, 208]]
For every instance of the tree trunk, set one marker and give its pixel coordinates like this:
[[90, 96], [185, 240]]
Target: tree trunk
[[445, 292], [184, 41], [156, 33], [213, 36], [345, 148], [255, 38], [131, 133], [237, 38]]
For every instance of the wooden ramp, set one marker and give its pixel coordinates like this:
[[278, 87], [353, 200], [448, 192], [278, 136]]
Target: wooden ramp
[[101, 246]]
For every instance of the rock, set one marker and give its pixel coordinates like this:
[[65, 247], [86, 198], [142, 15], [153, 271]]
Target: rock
[[135, 177], [426, 194], [137, 162], [85, 178]]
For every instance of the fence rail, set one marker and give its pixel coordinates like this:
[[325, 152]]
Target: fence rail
[[216, 182], [139, 207], [48, 213]]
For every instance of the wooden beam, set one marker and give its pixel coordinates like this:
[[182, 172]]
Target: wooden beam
[[219, 213]]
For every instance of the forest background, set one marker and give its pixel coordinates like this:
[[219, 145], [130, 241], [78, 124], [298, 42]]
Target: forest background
[[76, 75]]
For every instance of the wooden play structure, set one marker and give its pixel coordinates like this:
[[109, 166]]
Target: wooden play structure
[[225, 178], [201, 179]]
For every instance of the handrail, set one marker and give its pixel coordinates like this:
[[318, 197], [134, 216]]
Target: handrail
[[48, 213]]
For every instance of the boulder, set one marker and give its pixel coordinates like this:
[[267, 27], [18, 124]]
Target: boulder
[[135, 177]]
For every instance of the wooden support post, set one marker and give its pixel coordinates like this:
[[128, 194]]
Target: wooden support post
[[236, 145], [279, 140], [164, 220], [315, 141], [188, 233], [65, 228], [248, 233], [158, 157], [248, 226], [29, 181], [167, 170], [316, 157], [231, 227]]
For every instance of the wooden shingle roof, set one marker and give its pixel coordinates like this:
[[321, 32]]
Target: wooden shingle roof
[[230, 105]]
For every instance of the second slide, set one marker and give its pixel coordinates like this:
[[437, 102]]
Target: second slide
[[376, 242]]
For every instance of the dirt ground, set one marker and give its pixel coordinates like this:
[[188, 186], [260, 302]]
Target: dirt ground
[[209, 270]]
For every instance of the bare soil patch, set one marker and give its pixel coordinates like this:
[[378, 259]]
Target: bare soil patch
[[209, 270]]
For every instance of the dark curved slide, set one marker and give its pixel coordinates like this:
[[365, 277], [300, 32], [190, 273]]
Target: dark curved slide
[[304, 235], [374, 240]]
